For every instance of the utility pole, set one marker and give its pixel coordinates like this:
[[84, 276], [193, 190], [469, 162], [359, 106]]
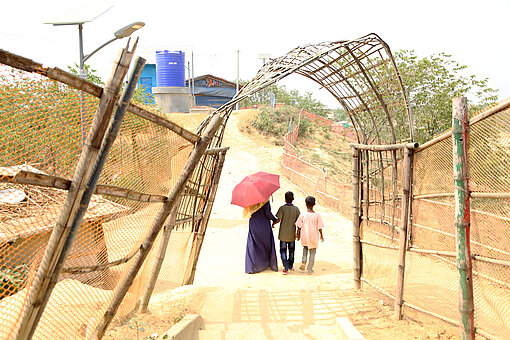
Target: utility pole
[[237, 81], [264, 56]]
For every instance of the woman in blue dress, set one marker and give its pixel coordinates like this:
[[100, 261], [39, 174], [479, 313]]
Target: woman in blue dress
[[260, 248]]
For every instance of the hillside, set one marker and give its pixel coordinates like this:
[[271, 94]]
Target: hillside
[[316, 145]]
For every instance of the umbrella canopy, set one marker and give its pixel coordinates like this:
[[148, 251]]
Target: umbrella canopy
[[255, 189]]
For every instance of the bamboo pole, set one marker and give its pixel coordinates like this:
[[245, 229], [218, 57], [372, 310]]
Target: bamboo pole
[[49, 181], [216, 150], [356, 219], [472, 194], [167, 231], [383, 198], [162, 121], [394, 178], [389, 147], [406, 186], [98, 267], [146, 246], [379, 245], [411, 201], [462, 217], [28, 65], [366, 178], [189, 275], [75, 205]]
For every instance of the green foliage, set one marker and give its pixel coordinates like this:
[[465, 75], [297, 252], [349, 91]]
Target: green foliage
[[179, 316], [140, 96], [89, 71], [287, 97], [275, 121], [340, 115], [13, 279], [431, 83], [305, 127]]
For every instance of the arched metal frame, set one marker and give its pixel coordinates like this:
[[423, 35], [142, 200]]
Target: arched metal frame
[[361, 74]]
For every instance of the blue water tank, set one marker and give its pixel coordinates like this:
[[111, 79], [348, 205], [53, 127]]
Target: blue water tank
[[170, 68]]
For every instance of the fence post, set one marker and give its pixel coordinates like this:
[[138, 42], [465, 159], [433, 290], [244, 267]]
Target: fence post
[[167, 231], [191, 267], [404, 220], [158, 223], [356, 219], [462, 216], [83, 184], [366, 190]]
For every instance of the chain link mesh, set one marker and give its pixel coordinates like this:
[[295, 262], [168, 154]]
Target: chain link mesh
[[431, 275], [43, 126]]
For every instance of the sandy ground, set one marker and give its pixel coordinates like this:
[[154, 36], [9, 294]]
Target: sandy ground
[[268, 304]]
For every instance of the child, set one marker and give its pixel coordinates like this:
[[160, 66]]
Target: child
[[310, 227], [287, 214]]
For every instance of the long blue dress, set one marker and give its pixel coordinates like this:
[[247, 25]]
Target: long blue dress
[[260, 248]]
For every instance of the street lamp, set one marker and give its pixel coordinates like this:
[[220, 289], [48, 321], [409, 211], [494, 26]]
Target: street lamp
[[79, 17], [124, 32]]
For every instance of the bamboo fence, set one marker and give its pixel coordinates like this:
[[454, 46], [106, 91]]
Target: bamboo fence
[[405, 192], [438, 224], [83, 239], [98, 259]]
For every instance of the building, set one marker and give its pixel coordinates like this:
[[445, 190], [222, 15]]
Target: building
[[209, 91], [148, 79], [212, 91]]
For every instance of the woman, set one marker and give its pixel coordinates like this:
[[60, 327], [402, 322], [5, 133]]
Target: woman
[[260, 249]]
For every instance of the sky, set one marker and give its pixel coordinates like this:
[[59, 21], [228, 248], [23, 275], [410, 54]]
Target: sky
[[475, 33]]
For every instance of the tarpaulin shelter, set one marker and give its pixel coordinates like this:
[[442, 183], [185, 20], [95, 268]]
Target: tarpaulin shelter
[[212, 91]]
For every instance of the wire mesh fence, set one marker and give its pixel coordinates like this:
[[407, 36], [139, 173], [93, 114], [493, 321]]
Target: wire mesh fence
[[310, 178], [431, 283], [43, 126]]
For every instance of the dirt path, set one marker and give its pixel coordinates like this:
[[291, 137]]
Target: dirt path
[[268, 305], [251, 306]]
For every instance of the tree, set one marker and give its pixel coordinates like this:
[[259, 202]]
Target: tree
[[431, 83], [287, 97], [340, 115]]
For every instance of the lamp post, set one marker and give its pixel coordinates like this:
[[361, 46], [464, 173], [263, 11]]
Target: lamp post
[[124, 32]]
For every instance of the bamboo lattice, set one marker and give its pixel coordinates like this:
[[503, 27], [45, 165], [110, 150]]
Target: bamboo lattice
[[154, 164]]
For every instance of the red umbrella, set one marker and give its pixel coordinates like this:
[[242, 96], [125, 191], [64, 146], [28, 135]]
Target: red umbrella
[[255, 189]]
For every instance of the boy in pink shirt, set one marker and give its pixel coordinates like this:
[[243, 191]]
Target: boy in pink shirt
[[310, 226]]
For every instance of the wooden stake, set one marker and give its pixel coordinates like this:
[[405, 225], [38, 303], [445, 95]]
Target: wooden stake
[[462, 217], [394, 178], [366, 178], [406, 186], [189, 275], [145, 248], [356, 219], [69, 219], [167, 231]]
